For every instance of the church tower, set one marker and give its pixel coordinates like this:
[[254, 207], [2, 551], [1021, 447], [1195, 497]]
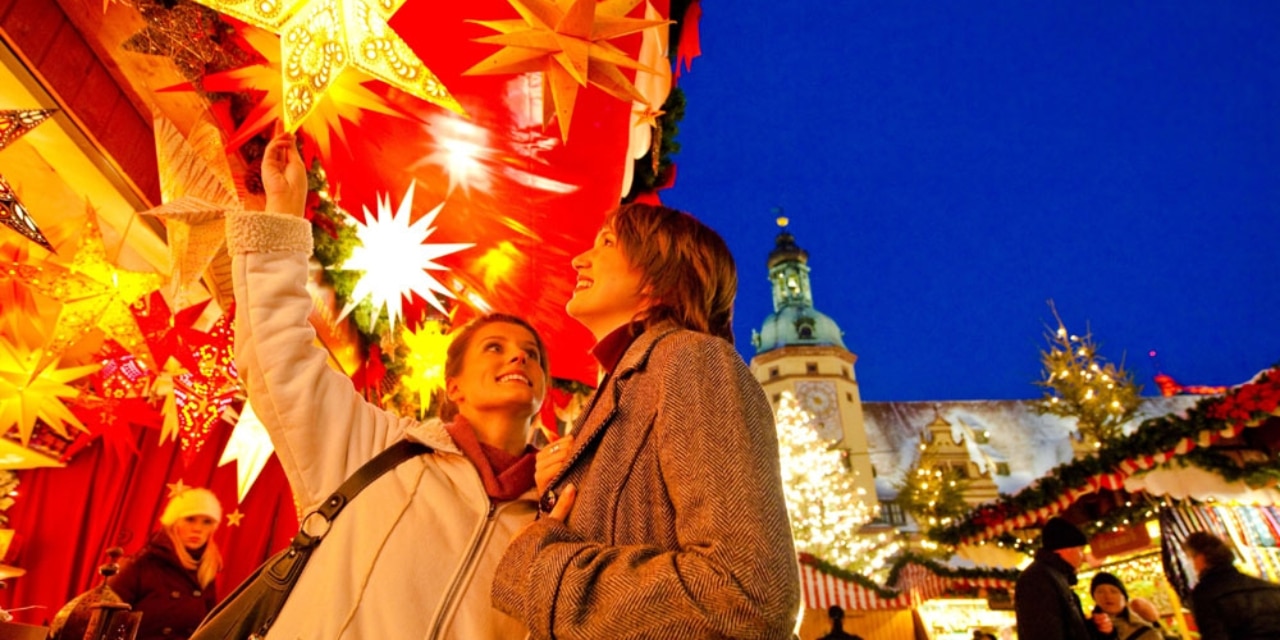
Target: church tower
[[801, 350]]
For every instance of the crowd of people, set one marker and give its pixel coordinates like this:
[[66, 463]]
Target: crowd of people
[[1225, 603]]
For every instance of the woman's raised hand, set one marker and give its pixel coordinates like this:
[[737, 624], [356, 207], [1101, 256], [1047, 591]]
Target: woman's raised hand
[[284, 177]]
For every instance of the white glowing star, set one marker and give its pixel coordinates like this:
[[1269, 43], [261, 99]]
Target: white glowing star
[[395, 259]]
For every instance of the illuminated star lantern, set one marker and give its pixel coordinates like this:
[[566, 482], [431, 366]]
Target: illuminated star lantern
[[12, 213], [319, 39], [94, 293], [15, 216], [14, 123], [566, 40], [345, 99], [250, 448], [395, 259], [31, 392], [424, 366]]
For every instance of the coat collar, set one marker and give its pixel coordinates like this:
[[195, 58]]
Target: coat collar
[[604, 404]]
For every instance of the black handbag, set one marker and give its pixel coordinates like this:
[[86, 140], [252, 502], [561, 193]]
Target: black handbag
[[250, 610]]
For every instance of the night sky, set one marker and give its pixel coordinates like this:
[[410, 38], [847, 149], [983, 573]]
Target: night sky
[[951, 166]]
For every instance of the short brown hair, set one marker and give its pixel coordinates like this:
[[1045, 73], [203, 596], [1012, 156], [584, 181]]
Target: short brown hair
[[685, 265], [454, 355], [1216, 553]]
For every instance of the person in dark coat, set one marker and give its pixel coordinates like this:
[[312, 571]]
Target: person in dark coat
[[1227, 604], [171, 580], [1046, 607]]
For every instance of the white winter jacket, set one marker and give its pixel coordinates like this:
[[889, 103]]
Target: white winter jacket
[[413, 556]]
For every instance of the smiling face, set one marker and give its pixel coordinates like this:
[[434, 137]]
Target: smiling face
[[608, 293], [1109, 598], [502, 371], [194, 531]]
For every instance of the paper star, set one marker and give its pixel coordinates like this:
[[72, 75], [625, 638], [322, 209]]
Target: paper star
[[250, 448], [94, 293], [319, 39], [170, 335], [15, 123], [234, 518], [30, 391], [567, 40], [201, 395], [13, 214], [345, 100], [176, 488]]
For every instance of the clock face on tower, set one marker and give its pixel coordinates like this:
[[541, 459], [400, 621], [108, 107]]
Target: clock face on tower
[[819, 399]]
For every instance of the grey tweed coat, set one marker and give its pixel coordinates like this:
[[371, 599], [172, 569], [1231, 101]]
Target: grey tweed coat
[[679, 529]]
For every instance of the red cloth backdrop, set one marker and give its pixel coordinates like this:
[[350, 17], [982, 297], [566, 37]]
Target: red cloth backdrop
[[66, 519]]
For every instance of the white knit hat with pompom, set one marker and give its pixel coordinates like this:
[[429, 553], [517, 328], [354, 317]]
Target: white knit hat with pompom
[[192, 502]]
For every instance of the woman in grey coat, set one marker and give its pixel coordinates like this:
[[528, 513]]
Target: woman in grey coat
[[664, 517]]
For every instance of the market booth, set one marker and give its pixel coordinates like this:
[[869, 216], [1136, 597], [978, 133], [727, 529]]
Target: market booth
[[1214, 468], [128, 129]]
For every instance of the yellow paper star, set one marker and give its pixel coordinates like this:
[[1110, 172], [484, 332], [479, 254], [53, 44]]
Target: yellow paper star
[[94, 293], [31, 392], [234, 518], [567, 40], [176, 488], [319, 39]]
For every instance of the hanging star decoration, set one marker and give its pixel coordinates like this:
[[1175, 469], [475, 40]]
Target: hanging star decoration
[[200, 396], [31, 392], [320, 39], [170, 335], [177, 488], [93, 293], [424, 366], [345, 100], [116, 398], [250, 448], [568, 42], [395, 259], [13, 124]]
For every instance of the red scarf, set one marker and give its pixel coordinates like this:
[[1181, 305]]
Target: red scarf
[[506, 477]]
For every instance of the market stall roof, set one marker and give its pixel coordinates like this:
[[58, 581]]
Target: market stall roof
[[1234, 436]]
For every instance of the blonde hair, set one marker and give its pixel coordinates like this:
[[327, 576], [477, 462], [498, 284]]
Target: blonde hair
[[209, 564]]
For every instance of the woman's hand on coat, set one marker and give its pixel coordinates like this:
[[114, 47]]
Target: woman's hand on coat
[[564, 504], [549, 461], [284, 177]]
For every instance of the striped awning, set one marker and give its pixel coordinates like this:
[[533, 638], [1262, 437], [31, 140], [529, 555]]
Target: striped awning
[[915, 585]]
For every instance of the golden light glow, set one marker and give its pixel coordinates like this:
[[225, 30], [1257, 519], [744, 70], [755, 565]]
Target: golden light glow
[[461, 151], [424, 366], [320, 39], [395, 259]]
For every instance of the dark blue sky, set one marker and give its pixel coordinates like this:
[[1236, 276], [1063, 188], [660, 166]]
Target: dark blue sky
[[950, 166]]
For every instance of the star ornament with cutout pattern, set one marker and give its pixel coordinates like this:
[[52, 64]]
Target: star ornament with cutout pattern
[[321, 39], [568, 41]]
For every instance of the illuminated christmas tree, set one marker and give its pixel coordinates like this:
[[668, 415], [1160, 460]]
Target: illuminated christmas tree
[[1080, 384], [933, 496], [826, 509]]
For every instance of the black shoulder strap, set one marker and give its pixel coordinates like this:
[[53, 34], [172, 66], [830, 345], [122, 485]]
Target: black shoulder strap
[[385, 461]]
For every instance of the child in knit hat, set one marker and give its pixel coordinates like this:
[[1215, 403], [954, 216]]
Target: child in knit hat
[[1113, 599]]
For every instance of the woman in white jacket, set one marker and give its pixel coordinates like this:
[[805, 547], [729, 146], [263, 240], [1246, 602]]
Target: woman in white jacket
[[414, 555]]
